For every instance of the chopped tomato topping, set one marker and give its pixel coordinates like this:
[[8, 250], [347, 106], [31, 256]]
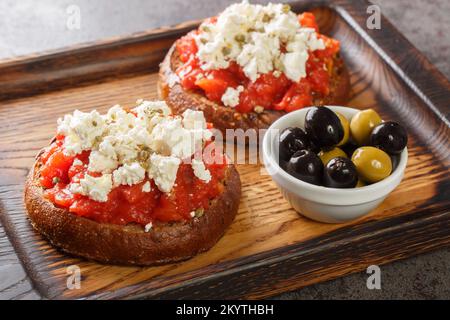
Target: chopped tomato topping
[[186, 46], [189, 73], [189, 193], [50, 150], [216, 83], [266, 91], [308, 20], [332, 47], [297, 96], [318, 77], [56, 168], [78, 169]]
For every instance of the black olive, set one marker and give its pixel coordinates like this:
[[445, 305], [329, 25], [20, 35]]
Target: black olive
[[323, 127], [395, 159], [283, 164], [390, 137], [313, 146], [349, 148], [306, 166], [292, 139], [340, 173]]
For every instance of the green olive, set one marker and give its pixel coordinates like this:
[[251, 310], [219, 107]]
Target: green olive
[[346, 126], [327, 155], [362, 124], [372, 164], [360, 184]]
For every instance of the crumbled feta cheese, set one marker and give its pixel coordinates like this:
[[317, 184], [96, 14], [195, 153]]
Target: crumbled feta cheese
[[231, 96], [129, 174], [107, 147], [148, 227], [77, 162], [259, 56], [114, 113], [294, 64], [100, 162], [140, 134], [81, 130], [147, 187], [195, 122], [252, 35], [169, 137], [163, 170], [314, 43], [200, 170], [294, 61], [126, 146], [283, 25], [96, 188], [193, 119], [147, 109]]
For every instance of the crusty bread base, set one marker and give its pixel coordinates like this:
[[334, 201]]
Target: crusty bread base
[[224, 117], [130, 245]]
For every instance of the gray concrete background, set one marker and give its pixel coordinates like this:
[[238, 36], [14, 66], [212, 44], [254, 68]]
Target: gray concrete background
[[29, 26]]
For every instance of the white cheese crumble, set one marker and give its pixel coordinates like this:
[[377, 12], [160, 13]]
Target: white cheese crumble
[[168, 136], [126, 147], [81, 130], [195, 122], [163, 170], [146, 187], [200, 170], [294, 60], [194, 119], [129, 174], [146, 109], [96, 188], [77, 162], [148, 227], [231, 96], [100, 162], [252, 35]]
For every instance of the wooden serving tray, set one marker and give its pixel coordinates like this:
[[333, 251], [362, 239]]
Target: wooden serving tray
[[269, 248]]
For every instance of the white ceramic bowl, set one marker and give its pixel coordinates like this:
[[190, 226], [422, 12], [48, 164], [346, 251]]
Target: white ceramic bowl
[[320, 203]]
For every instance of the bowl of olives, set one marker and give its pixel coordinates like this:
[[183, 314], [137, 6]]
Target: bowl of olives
[[335, 164]]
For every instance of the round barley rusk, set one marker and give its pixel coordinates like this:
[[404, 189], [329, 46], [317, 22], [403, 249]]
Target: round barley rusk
[[130, 244]]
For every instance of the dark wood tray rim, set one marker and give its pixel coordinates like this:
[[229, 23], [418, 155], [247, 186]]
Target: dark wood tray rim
[[434, 92]]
